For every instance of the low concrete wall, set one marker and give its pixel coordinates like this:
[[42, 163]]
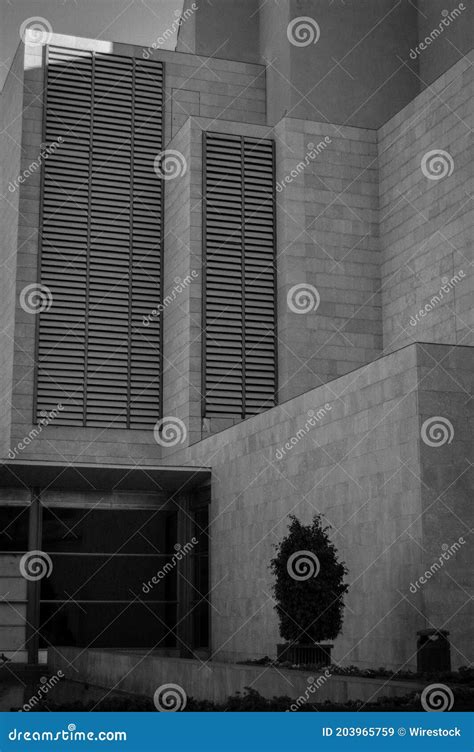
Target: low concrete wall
[[142, 675]]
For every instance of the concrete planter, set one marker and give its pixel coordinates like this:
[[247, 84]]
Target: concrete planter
[[142, 674]]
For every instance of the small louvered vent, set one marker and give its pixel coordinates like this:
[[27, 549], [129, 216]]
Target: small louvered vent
[[240, 289], [101, 240]]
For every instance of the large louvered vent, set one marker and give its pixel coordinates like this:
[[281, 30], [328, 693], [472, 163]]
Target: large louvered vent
[[240, 280], [101, 243]]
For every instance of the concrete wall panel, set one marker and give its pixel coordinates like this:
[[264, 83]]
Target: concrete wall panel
[[327, 228], [358, 466], [426, 217]]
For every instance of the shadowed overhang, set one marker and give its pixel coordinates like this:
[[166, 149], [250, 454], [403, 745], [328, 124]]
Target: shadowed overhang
[[83, 477]]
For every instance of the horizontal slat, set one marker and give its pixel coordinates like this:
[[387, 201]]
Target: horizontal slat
[[240, 365], [101, 239]]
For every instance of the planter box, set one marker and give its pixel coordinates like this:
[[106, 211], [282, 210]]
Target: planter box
[[142, 674], [315, 654]]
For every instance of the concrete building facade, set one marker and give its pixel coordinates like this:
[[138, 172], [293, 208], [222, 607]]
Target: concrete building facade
[[370, 426]]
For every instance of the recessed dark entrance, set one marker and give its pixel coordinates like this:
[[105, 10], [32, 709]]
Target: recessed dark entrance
[[125, 569], [97, 594]]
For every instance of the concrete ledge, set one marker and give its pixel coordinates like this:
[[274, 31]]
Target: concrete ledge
[[142, 675]]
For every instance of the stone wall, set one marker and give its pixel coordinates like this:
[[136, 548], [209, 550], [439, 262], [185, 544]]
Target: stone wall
[[182, 287], [447, 482], [229, 29], [362, 466], [10, 150], [366, 52], [359, 72], [445, 49], [358, 55], [338, 468], [426, 223], [327, 234]]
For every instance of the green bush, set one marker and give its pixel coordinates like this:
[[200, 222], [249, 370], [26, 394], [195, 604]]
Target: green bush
[[309, 610]]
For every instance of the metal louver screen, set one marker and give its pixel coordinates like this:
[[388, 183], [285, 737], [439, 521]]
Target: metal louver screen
[[240, 278], [101, 240]]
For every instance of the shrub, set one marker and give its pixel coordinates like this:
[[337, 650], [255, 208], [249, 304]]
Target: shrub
[[464, 675], [309, 609], [252, 701]]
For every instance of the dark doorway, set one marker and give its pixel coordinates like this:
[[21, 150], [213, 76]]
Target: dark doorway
[[101, 591]]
